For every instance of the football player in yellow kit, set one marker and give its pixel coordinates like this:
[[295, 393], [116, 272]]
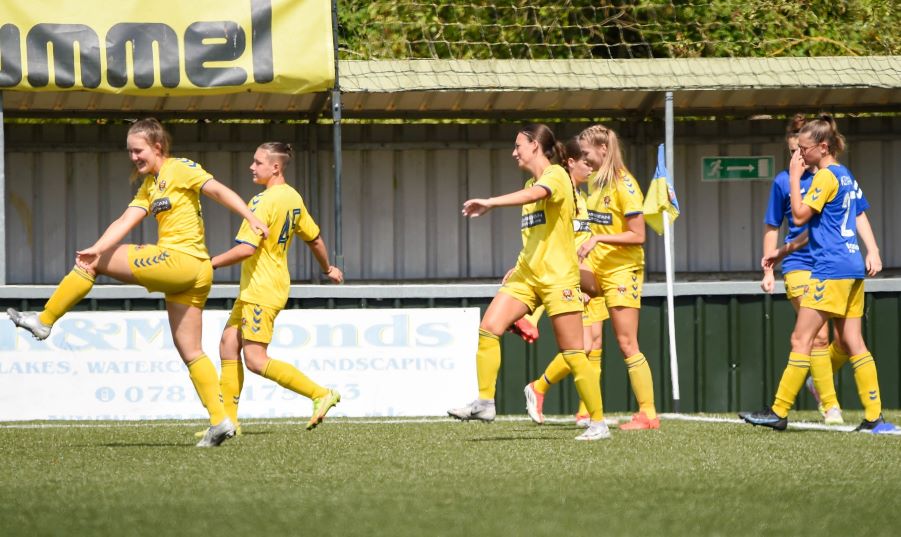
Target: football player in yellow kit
[[616, 256], [595, 311], [177, 265], [546, 272], [265, 283]]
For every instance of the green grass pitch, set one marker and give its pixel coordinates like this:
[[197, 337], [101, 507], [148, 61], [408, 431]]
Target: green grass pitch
[[438, 477]]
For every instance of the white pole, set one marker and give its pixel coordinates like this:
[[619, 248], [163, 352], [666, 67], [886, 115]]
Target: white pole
[[668, 257]]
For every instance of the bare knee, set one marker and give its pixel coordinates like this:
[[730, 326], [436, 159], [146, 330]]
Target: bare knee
[[628, 345], [802, 343]]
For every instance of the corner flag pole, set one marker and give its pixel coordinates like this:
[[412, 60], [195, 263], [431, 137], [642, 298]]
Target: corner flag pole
[[668, 257]]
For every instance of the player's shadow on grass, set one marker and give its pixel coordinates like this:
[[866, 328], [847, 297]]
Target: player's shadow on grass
[[139, 444]]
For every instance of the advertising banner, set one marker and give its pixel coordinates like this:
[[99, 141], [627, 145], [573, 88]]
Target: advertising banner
[[123, 365], [167, 47]]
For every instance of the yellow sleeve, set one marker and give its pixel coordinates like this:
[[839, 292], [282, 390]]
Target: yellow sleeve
[[142, 198], [307, 228], [823, 189], [193, 175], [556, 181], [262, 211], [630, 197]]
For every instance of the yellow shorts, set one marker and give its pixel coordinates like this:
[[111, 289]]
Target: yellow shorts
[[595, 312], [255, 322], [841, 298], [183, 278], [556, 301], [622, 288], [796, 283]]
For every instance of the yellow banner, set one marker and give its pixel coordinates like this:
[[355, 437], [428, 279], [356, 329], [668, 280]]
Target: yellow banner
[[167, 47]]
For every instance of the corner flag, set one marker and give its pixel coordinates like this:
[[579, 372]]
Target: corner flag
[[661, 196]]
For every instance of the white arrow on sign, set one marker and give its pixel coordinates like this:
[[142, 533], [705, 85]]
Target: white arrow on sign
[[748, 168]]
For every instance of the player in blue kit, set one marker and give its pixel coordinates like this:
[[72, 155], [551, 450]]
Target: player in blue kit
[[797, 263], [835, 289]]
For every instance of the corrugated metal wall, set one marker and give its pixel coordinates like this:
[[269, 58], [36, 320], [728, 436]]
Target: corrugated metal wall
[[403, 188]]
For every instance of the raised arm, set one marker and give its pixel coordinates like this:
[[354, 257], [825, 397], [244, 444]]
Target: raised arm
[[479, 206], [232, 201], [113, 235], [801, 213]]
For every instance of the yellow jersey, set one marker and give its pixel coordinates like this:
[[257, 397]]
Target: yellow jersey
[[265, 279], [581, 225], [607, 212], [548, 258], [172, 196]]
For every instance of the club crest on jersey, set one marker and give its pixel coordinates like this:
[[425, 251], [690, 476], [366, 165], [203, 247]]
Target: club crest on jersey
[[568, 295], [162, 185], [606, 201], [621, 290]]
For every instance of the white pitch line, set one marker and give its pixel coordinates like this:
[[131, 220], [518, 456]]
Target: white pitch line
[[802, 425]]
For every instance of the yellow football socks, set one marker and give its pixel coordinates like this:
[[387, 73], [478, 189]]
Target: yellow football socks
[[75, 286], [594, 360], [838, 357], [289, 377], [556, 371], [587, 382], [821, 372], [867, 384], [231, 383], [488, 363], [792, 379], [642, 384], [206, 382]]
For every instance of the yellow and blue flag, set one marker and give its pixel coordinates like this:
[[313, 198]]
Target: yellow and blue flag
[[661, 196]]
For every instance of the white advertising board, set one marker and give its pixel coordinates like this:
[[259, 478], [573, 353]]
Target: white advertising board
[[123, 366]]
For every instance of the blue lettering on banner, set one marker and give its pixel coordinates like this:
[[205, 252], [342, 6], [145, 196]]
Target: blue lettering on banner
[[35, 368], [131, 367], [533, 219]]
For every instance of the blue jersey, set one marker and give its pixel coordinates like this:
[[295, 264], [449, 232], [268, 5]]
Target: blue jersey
[[778, 209], [835, 196]]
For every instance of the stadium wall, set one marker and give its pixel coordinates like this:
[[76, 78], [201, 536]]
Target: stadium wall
[[403, 187], [732, 340]]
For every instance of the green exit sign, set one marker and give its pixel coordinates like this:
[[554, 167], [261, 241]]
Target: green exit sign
[[737, 168]]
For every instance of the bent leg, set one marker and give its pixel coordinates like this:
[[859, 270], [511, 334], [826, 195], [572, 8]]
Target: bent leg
[[282, 373]]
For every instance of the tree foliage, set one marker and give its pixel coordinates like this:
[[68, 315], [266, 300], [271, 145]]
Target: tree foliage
[[579, 29]]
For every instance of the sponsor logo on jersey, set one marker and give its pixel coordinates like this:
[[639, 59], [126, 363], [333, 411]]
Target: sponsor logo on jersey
[[160, 205], [581, 226], [601, 219], [533, 219]]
